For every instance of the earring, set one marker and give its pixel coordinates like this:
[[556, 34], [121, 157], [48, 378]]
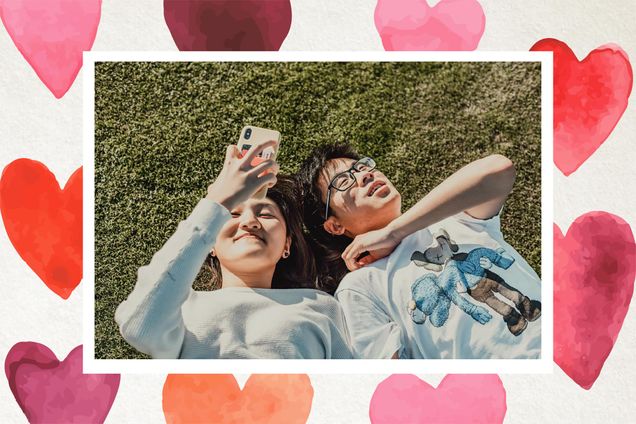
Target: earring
[[286, 254]]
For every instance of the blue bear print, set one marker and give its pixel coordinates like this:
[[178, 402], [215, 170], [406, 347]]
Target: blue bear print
[[468, 271], [432, 298]]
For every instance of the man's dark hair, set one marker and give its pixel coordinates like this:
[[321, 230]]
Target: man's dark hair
[[327, 247], [299, 269]]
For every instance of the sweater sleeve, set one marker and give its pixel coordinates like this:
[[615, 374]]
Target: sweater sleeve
[[150, 318]]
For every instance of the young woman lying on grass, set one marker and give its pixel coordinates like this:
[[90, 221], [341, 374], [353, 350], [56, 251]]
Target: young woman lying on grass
[[265, 307]]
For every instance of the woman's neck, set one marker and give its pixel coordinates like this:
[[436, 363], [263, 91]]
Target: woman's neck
[[261, 279]]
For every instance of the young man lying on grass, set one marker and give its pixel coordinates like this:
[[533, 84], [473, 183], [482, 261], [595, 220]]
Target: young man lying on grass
[[437, 281]]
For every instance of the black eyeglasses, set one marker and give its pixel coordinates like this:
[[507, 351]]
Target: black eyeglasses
[[345, 180]]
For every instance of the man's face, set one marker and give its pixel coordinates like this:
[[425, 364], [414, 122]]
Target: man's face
[[369, 204]]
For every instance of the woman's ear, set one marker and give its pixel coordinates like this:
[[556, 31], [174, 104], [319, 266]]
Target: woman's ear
[[287, 250], [288, 244], [333, 226]]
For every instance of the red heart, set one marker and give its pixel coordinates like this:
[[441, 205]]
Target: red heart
[[228, 24], [457, 399], [594, 270], [590, 97], [44, 222], [217, 398], [52, 391]]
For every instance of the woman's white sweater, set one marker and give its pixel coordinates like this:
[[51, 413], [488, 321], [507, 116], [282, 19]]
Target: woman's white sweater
[[165, 318]]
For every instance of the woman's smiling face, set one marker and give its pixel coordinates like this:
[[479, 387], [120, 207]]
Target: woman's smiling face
[[254, 239]]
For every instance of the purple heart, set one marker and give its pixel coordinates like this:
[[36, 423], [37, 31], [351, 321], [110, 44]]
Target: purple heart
[[48, 390]]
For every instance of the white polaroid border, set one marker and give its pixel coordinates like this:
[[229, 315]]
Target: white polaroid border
[[322, 366]]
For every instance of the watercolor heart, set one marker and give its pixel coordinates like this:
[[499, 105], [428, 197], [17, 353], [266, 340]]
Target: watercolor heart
[[217, 398], [458, 399], [50, 391], [594, 271], [414, 25], [44, 222], [51, 35], [228, 24], [590, 96]]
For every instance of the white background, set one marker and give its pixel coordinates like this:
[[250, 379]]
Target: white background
[[35, 125]]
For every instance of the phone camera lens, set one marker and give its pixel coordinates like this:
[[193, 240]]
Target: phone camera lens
[[248, 133]]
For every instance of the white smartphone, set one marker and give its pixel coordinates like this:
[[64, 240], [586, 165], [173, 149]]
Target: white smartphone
[[251, 136]]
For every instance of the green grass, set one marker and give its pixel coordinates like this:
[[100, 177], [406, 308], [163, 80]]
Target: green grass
[[161, 131]]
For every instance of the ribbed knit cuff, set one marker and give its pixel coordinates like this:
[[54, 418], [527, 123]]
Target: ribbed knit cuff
[[208, 217]]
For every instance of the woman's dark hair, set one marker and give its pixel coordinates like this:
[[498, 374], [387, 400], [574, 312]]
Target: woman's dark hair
[[327, 247], [299, 269]]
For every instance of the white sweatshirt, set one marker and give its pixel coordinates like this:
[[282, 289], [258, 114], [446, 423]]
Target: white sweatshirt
[[165, 318]]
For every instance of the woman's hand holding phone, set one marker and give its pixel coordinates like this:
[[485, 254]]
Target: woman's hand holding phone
[[239, 179]]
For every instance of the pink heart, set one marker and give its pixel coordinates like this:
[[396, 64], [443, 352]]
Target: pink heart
[[51, 35], [414, 25], [590, 96], [50, 391], [458, 399], [594, 270]]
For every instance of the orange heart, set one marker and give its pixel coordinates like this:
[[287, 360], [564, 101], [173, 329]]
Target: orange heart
[[217, 398], [44, 222]]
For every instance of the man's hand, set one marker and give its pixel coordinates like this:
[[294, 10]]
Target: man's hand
[[378, 243]]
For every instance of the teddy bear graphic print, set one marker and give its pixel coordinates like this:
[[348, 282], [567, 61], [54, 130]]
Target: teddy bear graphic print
[[467, 273]]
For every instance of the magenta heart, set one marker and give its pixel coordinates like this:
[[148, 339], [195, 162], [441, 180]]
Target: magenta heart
[[590, 96], [594, 270], [458, 399], [228, 24], [414, 25], [51, 35], [50, 391]]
